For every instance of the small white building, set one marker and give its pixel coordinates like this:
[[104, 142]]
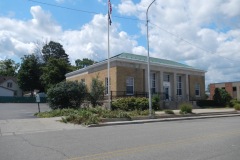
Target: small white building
[[9, 87]]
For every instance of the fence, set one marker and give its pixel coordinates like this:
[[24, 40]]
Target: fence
[[8, 99]]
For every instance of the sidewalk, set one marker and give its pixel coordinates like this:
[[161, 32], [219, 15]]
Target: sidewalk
[[22, 126], [203, 111]]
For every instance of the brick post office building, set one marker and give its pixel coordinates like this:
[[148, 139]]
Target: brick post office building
[[128, 76]]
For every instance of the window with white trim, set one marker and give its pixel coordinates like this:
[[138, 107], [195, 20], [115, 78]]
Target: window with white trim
[[9, 84], [166, 78], [179, 85], [106, 85], [153, 82], [197, 89], [129, 85]]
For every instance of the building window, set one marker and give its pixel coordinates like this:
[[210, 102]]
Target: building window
[[197, 90], [234, 89], [130, 86], [106, 85], [179, 85], [9, 84], [166, 78], [153, 82]]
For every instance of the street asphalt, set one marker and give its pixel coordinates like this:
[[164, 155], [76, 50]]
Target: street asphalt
[[20, 110], [199, 139]]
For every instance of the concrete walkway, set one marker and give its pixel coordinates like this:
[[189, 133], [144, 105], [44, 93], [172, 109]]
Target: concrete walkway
[[22, 126], [202, 111]]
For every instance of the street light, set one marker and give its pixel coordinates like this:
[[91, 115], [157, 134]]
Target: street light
[[148, 59]]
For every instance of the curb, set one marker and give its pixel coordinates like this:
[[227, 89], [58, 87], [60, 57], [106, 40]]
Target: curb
[[162, 120]]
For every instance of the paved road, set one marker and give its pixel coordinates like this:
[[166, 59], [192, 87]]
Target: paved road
[[206, 139], [20, 110]]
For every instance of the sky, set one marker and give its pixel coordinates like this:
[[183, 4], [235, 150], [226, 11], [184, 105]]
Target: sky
[[204, 34]]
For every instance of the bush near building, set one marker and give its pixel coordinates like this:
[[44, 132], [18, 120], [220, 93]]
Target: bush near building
[[66, 95], [221, 97], [135, 103], [185, 108]]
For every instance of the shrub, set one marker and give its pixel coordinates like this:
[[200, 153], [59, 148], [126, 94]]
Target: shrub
[[185, 108], [206, 103], [66, 95], [233, 102], [237, 107], [156, 102], [130, 104], [96, 92], [221, 97], [90, 115], [168, 111], [135, 103]]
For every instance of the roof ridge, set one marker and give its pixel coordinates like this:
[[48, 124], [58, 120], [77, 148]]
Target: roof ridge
[[152, 59]]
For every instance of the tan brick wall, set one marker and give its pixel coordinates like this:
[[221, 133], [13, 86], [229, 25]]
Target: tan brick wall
[[102, 74], [192, 81], [136, 73]]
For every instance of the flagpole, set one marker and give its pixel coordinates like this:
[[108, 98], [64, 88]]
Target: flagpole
[[109, 98]]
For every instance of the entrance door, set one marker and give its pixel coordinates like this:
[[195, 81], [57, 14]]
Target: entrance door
[[167, 90]]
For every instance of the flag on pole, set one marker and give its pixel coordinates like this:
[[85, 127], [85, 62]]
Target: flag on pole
[[109, 12]]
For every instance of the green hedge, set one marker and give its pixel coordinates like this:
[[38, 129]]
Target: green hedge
[[7, 99], [135, 103], [206, 103]]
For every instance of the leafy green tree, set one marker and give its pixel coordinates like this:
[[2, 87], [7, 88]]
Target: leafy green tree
[[54, 50], [96, 91], [221, 97], [83, 63], [8, 67], [29, 74], [54, 72], [66, 95]]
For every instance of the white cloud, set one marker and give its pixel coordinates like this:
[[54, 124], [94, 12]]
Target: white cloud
[[17, 37], [204, 34]]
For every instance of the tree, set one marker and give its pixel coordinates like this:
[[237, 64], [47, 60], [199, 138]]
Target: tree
[[8, 68], [96, 91], [66, 95], [29, 74], [54, 72], [83, 63], [221, 97], [54, 50]]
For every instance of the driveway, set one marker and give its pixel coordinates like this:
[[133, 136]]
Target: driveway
[[20, 110]]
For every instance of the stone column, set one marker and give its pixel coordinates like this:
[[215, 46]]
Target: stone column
[[187, 87], [174, 85], [161, 82]]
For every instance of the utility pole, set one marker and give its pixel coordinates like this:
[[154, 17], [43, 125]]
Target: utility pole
[[148, 66]]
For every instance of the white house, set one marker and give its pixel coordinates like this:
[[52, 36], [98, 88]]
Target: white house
[[9, 86]]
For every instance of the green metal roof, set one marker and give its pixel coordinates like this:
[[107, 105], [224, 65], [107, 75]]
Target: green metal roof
[[152, 60]]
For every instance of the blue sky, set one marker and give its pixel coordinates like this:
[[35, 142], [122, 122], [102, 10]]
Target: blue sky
[[204, 34]]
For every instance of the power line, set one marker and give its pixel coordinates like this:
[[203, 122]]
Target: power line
[[80, 10], [192, 44], [135, 19]]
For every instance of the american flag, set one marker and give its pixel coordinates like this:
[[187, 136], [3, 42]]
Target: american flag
[[109, 7], [109, 12]]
